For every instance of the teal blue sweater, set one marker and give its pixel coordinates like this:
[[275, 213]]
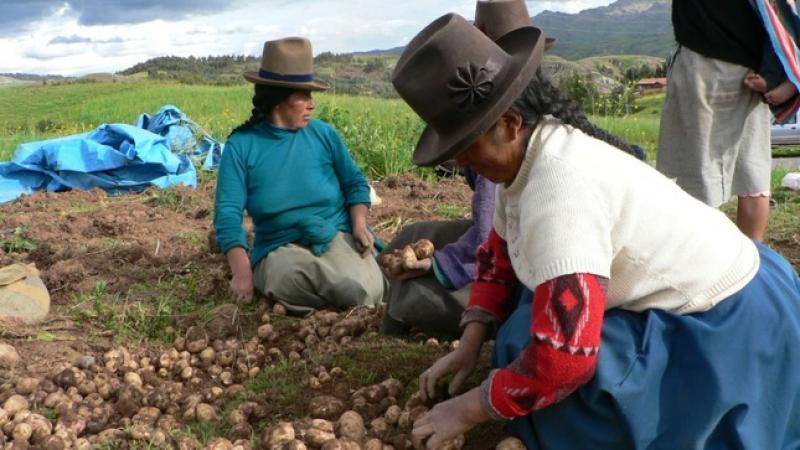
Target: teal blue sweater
[[297, 185]]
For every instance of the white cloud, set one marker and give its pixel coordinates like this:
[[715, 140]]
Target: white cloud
[[56, 41]]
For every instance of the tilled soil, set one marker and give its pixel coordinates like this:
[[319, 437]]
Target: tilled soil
[[82, 384], [95, 387]]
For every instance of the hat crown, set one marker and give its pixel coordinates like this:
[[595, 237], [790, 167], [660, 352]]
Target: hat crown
[[288, 56], [499, 17], [448, 71]]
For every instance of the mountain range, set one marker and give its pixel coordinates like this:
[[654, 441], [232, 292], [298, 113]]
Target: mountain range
[[625, 27]]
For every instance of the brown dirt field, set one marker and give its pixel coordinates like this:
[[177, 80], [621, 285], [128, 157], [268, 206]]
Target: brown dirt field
[[133, 245], [102, 253]]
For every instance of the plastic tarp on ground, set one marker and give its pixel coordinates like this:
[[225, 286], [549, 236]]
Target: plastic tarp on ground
[[118, 158]]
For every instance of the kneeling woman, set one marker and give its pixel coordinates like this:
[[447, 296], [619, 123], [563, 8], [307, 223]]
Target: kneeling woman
[[648, 320], [306, 196]]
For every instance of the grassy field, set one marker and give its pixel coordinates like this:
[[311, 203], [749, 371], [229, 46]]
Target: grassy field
[[380, 133]]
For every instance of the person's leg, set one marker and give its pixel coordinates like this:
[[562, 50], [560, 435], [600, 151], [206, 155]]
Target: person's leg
[[751, 180], [303, 282], [425, 304], [752, 216]]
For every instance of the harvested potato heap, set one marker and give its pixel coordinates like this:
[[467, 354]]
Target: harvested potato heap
[[403, 259], [375, 422], [151, 395]]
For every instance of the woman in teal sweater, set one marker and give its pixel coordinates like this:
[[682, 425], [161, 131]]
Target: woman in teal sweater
[[306, 196]]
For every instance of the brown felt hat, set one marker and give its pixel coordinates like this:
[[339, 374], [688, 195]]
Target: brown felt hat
[[288, 63], [460, 82], [499, 17]]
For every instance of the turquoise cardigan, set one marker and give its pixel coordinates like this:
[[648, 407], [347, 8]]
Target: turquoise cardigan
[[297, 185]]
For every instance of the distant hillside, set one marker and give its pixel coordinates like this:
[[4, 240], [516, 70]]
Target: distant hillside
[[626, 27]]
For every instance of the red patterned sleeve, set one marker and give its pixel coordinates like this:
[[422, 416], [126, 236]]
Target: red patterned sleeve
[[494, 283], [566, 321]]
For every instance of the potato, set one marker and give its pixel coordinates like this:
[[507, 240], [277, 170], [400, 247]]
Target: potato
[[27, 385], [14, 404], [373, 444], [316, 437], [22, 432], [408, 257], [392, 264], [452, 444], [379, 426], [9, 358], [392, 415], [281, 433], [423, 248], [219, 444], [351, 426], [205, 413], [196, 339], [510, 443], [208, 356]]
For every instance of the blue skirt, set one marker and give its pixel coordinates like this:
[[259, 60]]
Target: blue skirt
[[728, 378]]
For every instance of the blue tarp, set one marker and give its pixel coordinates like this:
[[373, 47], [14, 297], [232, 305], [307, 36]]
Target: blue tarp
[[118, 158]]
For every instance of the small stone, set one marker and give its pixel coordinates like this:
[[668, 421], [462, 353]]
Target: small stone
[[86, 361]]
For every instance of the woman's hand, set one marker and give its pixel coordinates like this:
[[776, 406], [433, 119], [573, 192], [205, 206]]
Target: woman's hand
[[449, 419], [364, 240], [461, 361], [242, 281], [242, 288], [414, 269]]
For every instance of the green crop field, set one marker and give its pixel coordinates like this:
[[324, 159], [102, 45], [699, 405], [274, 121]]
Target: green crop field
[[381, 133]]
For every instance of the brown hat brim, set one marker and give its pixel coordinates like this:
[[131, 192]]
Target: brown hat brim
[[315, 85], [526, 49]]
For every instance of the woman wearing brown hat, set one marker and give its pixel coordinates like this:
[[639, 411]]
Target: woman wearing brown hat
[[646, 319], [432, 295], [306, 196]]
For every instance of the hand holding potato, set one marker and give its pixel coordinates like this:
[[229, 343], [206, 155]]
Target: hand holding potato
[[411, 261]]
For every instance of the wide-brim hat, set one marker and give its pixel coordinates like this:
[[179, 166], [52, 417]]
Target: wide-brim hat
[[497, 18], [287, 63], [460, 82]]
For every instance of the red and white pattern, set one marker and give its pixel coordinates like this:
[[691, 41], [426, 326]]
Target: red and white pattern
[[566, 323]]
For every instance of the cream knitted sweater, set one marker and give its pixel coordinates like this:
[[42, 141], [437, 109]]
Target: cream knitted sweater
[[579, 205]]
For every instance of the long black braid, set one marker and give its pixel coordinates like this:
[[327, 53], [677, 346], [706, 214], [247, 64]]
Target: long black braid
[[264, 99], [540, 97]]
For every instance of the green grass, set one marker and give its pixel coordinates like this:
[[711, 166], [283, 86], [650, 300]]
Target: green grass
[[144, 312], [451, 211], [16, 241], [380, 133]]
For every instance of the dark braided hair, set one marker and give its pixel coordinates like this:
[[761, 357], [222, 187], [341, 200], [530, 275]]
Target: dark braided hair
[[264, 99], [540, 97]]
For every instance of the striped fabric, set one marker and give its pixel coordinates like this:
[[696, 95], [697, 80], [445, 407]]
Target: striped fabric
[[782, 23]]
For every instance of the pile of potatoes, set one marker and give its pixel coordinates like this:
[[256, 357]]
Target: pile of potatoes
[[150, 395], [375, 422], [402, 259]]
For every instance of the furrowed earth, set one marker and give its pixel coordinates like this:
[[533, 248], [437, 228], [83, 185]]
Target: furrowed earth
[[144, 347]]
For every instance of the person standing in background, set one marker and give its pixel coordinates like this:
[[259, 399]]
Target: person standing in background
[[714, 138]]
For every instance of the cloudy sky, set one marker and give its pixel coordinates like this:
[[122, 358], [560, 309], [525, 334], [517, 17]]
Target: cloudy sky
[[75, 37]]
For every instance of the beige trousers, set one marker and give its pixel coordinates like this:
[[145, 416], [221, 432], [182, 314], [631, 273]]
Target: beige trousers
[[303, 282]]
